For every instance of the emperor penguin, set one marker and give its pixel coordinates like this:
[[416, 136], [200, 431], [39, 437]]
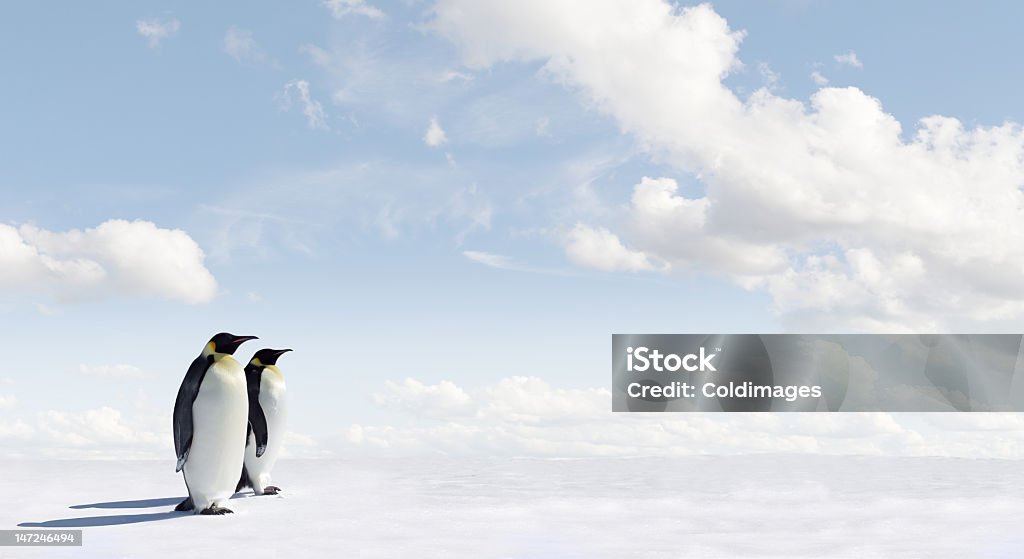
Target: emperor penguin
[[267, 406], [210, 423]]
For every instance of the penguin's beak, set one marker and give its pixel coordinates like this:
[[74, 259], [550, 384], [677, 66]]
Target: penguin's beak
[[274, 354], [237, 341]]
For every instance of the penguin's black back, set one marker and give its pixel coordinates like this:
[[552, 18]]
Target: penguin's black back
[[187, 393]]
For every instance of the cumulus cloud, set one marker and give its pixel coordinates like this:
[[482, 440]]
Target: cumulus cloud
[[316, 117], [103, 424], [443, 399], [15, 430], [849, 58], [106, 433], [240, 45], [771, 77], [532, 400], [116, 258], [434, 135], [342, 8], [298, 445], [115, 371], [528, 416], [156, 30], [7, 401], [601, 249], [97, 433], [846, 219]]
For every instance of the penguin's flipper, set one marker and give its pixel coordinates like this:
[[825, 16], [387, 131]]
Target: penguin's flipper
[[257, 419], [185, 505], [258, 424], [183, 408], [183, 457]]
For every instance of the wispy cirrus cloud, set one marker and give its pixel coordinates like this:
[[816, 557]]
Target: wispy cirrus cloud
[[115, 371], [316, 116], [156, 30], [241, 45], [849, 58], [343, 8]]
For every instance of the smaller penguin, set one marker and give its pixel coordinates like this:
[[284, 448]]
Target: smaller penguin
[[267, 416]]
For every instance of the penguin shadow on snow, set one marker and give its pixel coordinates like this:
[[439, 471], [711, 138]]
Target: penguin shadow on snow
[[114, 519], [118, 519], [139, 504]]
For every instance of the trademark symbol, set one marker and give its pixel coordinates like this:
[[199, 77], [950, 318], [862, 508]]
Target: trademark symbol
[[718, 349]]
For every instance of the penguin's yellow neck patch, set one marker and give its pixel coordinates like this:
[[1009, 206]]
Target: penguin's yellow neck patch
[[257, 362], [211, 350], [274, 371]]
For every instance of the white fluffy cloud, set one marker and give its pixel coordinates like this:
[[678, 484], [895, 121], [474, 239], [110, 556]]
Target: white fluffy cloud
[[316, 117], [435, 135], [342, 8], [107, 433], [97, 433], [528, 416], [156, 30], [15, 430], [7, 401], [91, 426], [116, 258], [442, 399], [601, 249], [846, 219]]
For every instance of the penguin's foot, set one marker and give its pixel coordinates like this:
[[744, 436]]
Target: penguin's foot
[[216, 510], [185, 505], [271, 490]]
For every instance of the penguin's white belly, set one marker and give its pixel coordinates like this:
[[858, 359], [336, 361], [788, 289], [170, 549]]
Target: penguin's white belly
[[272, 400], [220, 415]]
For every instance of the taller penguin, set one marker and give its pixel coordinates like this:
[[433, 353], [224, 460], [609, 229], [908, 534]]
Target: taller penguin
[[266, 407], [211, 415]]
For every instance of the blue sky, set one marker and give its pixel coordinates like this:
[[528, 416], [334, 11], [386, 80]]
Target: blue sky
[[290, 144]]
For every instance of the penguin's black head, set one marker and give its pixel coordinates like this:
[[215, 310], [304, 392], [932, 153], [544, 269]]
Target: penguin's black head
[[265, 357], [227, 343]]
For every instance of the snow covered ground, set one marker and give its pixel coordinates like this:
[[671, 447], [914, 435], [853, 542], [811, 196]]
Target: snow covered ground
[[745, 506]]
